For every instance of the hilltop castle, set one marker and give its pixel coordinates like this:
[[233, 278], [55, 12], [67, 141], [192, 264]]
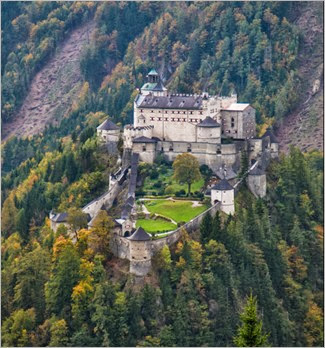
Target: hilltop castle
[[216, 130]]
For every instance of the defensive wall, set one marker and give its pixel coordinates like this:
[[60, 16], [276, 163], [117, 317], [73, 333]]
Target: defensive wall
[[106, 198], [139, 253]]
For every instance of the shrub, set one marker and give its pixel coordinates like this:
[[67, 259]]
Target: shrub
[[154, 174], [169, 190], [181, 223], [157, 184], [161, 192]]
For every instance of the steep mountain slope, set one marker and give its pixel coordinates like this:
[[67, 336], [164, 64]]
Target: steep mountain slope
[[303, 127], [53, 89]]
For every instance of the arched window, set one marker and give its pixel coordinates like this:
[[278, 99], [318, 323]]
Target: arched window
[[232, 122]]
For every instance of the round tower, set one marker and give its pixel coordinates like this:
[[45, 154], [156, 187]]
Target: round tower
[[209, 131]]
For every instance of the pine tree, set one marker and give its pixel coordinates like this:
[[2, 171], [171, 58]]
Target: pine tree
[[250, 333], [206, 228]]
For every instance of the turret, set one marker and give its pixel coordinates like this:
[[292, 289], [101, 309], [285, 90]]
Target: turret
[[154, 85], [224, 193]]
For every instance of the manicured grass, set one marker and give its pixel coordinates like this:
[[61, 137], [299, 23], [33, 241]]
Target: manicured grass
[[158, 225], [176, 210]]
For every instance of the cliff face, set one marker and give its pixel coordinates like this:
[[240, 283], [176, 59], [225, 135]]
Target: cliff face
[[303, 127]]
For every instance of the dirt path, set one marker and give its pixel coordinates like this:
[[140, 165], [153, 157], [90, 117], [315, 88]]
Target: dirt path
[[304, 126], [53, 88]]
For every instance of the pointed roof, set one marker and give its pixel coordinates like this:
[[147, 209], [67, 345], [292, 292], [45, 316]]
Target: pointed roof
[[222, 185], [269, 133], [208, 122], [153, 72], [140, 235], [143, 139], [108, 125], [159, 87], [60, 217]]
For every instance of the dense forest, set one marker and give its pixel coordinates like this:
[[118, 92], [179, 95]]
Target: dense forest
[[58, 293]]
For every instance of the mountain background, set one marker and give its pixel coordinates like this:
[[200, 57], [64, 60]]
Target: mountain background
[[66, 66]]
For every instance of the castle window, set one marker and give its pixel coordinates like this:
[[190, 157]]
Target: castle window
[[166, 118], [178, 119], [141, 110], [232, 122], [191, 112], [218, 152], [159, 118], [144, 149], [173, 119], [201, 113], [184, 112], [178, 112], [151, 110], [171, 148], [173, 111], [152, 118]]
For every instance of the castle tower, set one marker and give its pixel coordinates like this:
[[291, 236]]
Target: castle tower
[[154, 85], [256, 181], [140, 252], [224, 193], [209, 131], [273, 142]]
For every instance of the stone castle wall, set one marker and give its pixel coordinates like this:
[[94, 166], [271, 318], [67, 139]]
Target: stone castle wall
[[105, 199], [139, 253]]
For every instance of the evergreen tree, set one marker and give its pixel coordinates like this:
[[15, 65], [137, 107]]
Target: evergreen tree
[[206, 228], [250, 333]]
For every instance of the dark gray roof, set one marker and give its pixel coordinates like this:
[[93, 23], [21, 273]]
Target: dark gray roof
[[269, 133], [171, 102], [208, 122], [108, 125], [126, 211], [230, 173], [130, 200], [143, 139], [133, 174], [223, 185], [60, 217], [140, 235], [159, 87], [257, 171]]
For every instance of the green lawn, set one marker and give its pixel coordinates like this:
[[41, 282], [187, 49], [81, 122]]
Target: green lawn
[[158, 225], [176, 210]]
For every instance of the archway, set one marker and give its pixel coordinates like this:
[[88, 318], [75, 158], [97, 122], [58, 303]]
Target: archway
[[127, 234]]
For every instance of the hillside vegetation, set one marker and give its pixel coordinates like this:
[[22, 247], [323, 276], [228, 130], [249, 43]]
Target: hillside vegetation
[[57, 293]]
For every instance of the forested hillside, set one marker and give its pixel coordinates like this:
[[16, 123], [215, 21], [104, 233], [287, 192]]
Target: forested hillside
[[58, 293]]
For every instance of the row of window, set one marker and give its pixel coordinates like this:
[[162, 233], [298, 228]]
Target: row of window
[[174, 112], [144, 149], [174, 119]]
